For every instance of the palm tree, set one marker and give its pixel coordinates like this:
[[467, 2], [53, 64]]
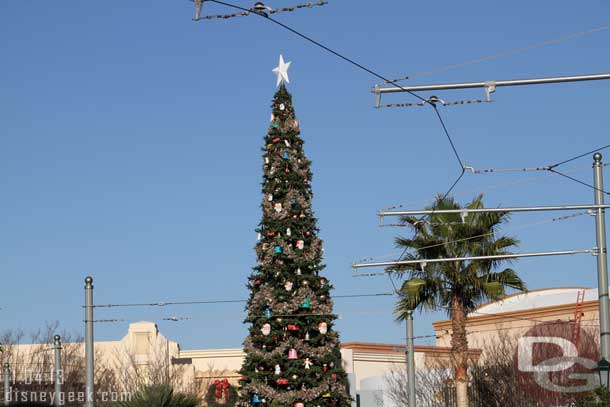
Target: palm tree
[[457, 286]]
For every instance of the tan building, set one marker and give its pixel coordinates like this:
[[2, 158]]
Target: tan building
[[517, 313]]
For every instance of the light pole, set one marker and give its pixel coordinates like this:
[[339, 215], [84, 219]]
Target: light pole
[[58, 372], [7, 384], [410, 354], [602, 262], [89, 357]]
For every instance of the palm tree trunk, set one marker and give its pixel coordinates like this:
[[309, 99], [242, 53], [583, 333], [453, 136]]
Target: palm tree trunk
[[459, 348]]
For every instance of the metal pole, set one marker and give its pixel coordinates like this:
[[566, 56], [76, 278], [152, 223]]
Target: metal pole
[[489, 210], [89, 360], [7, 384], [471, 258], [59, 377], [602, 262], [410, 360], [511, 82]]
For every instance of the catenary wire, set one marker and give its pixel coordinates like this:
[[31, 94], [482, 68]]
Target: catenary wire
[[518, 227], [349, 60], [578, 181], [166, 303], [509, 52]]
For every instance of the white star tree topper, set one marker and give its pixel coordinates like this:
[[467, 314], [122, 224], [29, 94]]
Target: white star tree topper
[[282, 71]]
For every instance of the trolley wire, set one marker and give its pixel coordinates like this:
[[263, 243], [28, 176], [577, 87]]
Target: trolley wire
[[350, 61], [513, 51], [168, 303]]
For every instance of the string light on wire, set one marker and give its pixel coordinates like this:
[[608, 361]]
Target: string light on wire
[[259, 8]]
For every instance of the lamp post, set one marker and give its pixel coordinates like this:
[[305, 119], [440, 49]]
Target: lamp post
[[604, 373]]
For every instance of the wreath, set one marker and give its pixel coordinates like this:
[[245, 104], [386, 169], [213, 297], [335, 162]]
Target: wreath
[[221, 394]]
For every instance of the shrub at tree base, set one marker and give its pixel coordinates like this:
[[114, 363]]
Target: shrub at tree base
[[159, 396]]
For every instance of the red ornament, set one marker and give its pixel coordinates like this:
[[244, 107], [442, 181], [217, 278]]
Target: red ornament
[[276, 140], [282, 381], [270, 234], [292, 327], [334, 376]]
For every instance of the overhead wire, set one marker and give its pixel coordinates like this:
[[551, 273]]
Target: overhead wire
[[352, 62], [168, 303], [514, 228], [513, 51]]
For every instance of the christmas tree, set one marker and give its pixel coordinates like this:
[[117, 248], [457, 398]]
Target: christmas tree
[[293, 354]]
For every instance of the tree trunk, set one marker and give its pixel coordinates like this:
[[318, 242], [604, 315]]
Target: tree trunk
[[459, 348]]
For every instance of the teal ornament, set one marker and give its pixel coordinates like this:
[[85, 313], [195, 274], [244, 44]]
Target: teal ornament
[[293, 201], [255, 398], [268, 313], [285, 155], [275, 125], [306, 303], [278, 249]]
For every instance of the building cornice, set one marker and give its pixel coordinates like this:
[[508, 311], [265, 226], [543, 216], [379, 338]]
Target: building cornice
[[526, 315]]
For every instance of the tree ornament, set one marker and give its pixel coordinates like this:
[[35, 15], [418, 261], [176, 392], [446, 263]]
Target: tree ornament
[[325, 367], [292, 354], [322, 282], [334, 376], [266, 160], [308, 233], [275, 125], [296, 122], [270, 197], [282, 382], [266, 329], [287, 143], [323, 328], [278, 207], [255, 398], [285, 155], [279, 320], [258, 236], [272, 117], [257, 282], [282, 106], [292, 327], [298, 271], [288, 285], [323, 297], [278, 249], [306, 304], [305, 283], [307, 363], [307, 336], [288, 232], [300, 244], [278, 370], [294, 377], [276, 140], [267, 312]]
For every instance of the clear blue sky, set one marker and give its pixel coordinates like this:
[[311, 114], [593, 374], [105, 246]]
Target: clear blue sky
[[130, 148]]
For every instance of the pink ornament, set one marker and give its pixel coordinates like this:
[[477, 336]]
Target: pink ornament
[[292, 354], [323, 328]]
